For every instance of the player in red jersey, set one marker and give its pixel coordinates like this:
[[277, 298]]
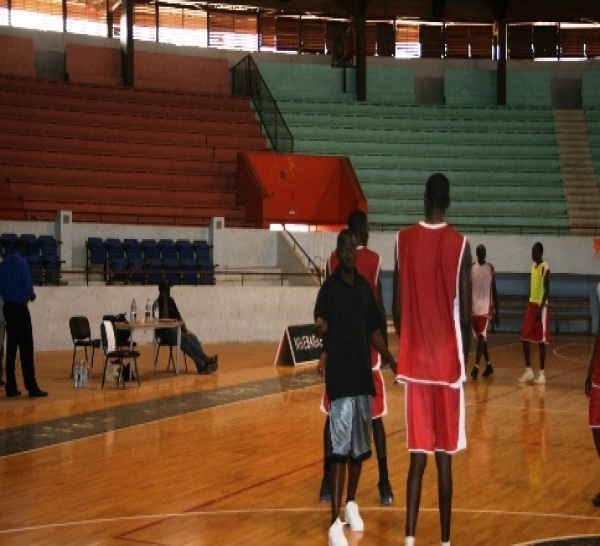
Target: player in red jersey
[[368, 264], [592, 391], [485, 307], [432, 315]]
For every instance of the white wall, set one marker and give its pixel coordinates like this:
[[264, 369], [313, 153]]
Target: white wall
[[216, 314]]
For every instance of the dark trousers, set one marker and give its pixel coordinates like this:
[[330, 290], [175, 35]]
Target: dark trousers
[[19, 334]]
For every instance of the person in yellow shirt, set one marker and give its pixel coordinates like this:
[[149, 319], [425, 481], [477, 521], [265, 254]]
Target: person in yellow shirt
[[536, 323]]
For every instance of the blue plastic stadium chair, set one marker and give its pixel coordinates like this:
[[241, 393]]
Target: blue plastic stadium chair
[[134, 261], [152, 263], [204, 261], [170, 262], [116, 261], [187, 262]]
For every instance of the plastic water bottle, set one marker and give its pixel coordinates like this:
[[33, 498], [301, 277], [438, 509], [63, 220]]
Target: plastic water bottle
[[147, 314], [84, 373], [77, 376], [133, 312], [155, 312]]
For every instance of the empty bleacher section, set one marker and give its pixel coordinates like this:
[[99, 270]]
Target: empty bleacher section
[[502, 161], [121, 155]]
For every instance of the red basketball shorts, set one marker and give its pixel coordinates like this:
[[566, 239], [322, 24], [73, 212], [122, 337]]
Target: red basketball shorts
[[480, 325], [537, 331], [435, 417]]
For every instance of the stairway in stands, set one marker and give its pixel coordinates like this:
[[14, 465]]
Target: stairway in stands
[[120, 155], [582, 195]]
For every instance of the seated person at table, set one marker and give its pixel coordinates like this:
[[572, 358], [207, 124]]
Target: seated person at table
[[190, 344]]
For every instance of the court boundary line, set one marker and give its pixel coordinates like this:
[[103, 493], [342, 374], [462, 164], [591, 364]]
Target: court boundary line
[[324, 508]]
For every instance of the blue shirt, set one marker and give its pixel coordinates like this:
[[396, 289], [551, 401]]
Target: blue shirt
[[15, 280]]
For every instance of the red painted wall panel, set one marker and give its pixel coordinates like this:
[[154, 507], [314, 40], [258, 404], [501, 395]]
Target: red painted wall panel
[[299, 189]]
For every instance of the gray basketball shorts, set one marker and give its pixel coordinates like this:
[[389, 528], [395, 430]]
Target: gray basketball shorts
[[351, 426]]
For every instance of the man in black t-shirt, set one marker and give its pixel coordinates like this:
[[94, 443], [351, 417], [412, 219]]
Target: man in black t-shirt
[[347, 319]]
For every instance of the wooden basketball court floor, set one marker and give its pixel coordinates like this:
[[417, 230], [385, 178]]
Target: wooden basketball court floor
[[236, 457]]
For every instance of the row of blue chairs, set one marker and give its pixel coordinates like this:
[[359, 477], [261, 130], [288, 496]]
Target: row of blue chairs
[[150, 262], [42, 256]]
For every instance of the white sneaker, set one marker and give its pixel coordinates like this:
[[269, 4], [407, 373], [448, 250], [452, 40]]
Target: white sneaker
[[540, 379], [353, 517], [336, 534], [527, 376]]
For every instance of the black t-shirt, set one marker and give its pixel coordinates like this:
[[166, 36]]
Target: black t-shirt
[[351, 315]]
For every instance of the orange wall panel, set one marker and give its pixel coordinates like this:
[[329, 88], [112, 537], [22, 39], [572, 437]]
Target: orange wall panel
[[181, 73], [16, 56], [299, 189]]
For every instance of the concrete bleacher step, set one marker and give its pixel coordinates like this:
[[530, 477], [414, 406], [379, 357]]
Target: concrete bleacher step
[[117, 195], [482, 191], [481, 165], [506, 177], [582, 195], [120, 93], [114, 162], [417, 124], [395, 132], [335, 146], [92, 106], [125, 213], [199, 138], [131, 120], [70, 175], [54, 143]]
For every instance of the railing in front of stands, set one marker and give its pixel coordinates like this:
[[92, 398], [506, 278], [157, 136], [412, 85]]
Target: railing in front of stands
[[247, 81], [311, 266], [506, 229], [82, 276]]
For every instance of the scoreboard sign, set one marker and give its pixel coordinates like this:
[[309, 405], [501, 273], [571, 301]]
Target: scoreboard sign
[[299, 345]]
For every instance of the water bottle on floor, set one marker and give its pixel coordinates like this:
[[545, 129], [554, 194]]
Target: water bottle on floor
[[77, 375], [83, 365], [133, 312]]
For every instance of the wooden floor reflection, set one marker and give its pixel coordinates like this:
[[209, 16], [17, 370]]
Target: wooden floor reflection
[[247, 470]]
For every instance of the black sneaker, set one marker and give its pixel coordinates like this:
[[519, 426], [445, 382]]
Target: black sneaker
[[325, 492], [474, 372], [489, 370], [386, 496], [38, 393]]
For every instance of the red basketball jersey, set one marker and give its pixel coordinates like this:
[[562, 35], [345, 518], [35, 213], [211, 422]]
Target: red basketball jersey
[[429, 258]]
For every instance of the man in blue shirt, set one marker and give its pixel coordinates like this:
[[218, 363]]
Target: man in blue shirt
[[16, 290]]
